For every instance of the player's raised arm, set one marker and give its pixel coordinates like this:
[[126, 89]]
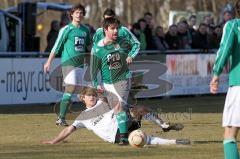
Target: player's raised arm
[[132, 40]]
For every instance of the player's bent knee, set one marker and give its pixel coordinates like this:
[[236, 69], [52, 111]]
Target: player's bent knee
[[70, 89], [230, 132]]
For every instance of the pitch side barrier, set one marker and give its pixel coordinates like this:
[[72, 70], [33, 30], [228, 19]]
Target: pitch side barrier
[[155, 74], [189, 71]]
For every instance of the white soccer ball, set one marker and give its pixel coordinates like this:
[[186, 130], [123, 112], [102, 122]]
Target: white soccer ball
[[137, 138]]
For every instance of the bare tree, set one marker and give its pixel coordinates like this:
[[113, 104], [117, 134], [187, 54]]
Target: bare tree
[[129, 12]]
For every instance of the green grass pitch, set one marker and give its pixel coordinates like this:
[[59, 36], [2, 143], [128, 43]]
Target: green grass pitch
[[22, 129]]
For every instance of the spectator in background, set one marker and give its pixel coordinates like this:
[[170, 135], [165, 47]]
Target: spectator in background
[[149, 30], [135, 29], [184, 36], [192, 24], [139, 35], [65, 19], [227, 15], [159, 39], [208, 19], [210, 37], [172, 38], [52, 35], [217, 33], [142, 36], [200, 39], [91, 30]]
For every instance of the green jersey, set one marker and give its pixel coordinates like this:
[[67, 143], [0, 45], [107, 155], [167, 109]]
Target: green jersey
[[110, 60], [125, 37], [229, 50], [72, 43]]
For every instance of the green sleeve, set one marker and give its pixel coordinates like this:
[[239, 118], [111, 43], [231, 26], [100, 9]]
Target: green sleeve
[[99, 35], [60, 41], [95, 64], [225, 48], [135, 44]]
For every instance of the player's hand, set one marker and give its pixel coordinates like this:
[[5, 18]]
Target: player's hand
[[129, 60], [46, 67], [100, 89], [214, 85]]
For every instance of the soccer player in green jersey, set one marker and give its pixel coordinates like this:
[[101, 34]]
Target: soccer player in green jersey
[[124, 35], [111, 58], [229, 51], [72, 43]]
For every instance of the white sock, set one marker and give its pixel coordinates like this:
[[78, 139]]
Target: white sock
[[159, 141], [152, 117]]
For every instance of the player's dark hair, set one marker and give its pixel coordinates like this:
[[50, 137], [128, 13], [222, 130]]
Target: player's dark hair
[[109, 12], [136, 26], [147, 13], [202, 24], [110, 21], [193, 16], [141, 20], [76, 7]]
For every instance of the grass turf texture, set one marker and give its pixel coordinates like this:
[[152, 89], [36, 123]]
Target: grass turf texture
[[20, 134]]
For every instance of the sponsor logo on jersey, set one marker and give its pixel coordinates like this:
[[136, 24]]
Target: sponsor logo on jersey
[[79, 43], [114, 61]]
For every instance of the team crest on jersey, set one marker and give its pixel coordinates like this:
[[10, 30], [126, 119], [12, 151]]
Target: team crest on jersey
[[84, 34], [116, 46]]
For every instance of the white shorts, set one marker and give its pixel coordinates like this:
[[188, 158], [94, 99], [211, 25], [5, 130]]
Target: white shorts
[[231, 112], [73, 75], [120, 90]]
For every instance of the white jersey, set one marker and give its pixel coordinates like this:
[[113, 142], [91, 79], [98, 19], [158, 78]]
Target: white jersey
[[105, 126]]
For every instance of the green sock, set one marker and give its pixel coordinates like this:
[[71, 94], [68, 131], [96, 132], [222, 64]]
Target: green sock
[[122, 120], [64, 104], [230, 149]]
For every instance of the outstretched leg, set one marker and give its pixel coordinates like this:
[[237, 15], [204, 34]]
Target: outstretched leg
[[140, 112], [160, 141]]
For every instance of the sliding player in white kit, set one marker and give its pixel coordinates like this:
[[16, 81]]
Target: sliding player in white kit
[[105, 125]]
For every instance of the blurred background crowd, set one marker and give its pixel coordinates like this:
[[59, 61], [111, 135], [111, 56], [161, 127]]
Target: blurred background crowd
[[195, 24]]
